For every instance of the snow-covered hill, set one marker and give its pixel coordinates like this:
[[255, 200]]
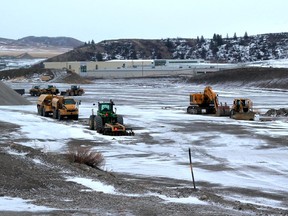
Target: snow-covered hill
[[218, 49]]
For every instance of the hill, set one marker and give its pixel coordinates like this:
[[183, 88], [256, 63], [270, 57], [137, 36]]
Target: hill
[[32, 41], [217, 49], [42, 47]]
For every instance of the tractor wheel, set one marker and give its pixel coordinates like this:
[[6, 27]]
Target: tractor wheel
[[91, 122], [98, 124], [120, 119]]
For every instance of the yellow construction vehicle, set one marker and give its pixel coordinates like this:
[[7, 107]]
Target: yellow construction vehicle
[[242, 109], [37, 91], [207, 103], [73, 91], [44, 104], [63, 107]]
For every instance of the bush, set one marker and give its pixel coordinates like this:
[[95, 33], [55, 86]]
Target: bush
[[85, 155]]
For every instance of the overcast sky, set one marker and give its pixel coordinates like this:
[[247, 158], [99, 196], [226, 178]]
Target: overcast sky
[[147, 19]]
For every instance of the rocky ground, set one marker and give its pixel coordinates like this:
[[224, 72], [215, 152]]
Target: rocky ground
[[45, 183]]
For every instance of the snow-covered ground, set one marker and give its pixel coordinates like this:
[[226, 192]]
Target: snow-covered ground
[[225, 152]]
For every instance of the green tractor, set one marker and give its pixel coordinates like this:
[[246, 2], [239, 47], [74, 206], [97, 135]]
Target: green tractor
[[107, 122]]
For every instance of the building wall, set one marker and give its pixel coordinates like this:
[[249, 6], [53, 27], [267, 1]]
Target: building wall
[[139, 68]]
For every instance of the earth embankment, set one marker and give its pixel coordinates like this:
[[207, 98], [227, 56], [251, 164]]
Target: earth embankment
[[252, 77]]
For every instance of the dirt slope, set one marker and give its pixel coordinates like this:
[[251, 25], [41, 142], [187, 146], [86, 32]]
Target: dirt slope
[[253, 77], [9, 97]]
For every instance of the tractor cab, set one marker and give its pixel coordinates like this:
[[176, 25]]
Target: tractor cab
[[107, 122], [105, 110]]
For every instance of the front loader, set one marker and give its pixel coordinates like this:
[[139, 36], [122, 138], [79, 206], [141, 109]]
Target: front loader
[[107, 122]]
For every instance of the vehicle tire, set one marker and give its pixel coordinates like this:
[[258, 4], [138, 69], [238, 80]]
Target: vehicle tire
[[232, 112], [44, 112], [98, 123], [91, 122], [75, 117], [39, 110], [59, 115], [55, 114], [120, 119]]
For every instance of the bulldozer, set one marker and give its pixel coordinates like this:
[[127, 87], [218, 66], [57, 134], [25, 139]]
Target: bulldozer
[[242, 109], [73, 91], [64, 107], [107, 122], [207, 103]]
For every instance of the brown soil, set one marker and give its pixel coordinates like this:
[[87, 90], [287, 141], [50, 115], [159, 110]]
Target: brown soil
[[254, 77]]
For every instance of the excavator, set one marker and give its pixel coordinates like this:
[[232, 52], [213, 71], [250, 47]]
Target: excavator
[[207, 103]]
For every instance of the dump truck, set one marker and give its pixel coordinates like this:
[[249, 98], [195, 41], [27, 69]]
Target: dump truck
[[73, 91], [207, 103], [107, 122], [64, 107], [44, 105], [242, 109]]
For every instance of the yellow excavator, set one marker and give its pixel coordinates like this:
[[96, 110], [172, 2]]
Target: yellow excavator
[[207, 103]]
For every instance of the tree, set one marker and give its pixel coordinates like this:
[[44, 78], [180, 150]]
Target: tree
[[235, 36], [202, 40], [99, 56], [246, 36]]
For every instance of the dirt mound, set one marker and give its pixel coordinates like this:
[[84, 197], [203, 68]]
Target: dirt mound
[[73, 78], [256, 77], [9, 97]]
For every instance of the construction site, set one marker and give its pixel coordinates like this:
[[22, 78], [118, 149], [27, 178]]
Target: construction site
[[237, 135]]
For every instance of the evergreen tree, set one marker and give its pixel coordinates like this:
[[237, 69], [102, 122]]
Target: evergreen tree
[[235, 36], [99, 56], [246, 36], [202, 40]]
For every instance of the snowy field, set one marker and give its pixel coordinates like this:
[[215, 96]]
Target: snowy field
[[226, 153]]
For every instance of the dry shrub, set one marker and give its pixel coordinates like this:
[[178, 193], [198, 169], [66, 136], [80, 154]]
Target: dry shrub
[[85, 155]]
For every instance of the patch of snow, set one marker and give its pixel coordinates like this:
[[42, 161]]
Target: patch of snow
[[19, 205]]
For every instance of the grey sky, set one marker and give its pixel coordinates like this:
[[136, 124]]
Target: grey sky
[[150, 19]]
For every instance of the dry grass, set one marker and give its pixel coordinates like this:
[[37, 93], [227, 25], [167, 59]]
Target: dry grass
[[85, 155]]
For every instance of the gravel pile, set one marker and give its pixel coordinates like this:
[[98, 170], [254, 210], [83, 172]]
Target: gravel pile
[[9, 97]]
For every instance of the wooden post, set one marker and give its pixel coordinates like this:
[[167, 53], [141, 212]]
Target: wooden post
[[192, 169]]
